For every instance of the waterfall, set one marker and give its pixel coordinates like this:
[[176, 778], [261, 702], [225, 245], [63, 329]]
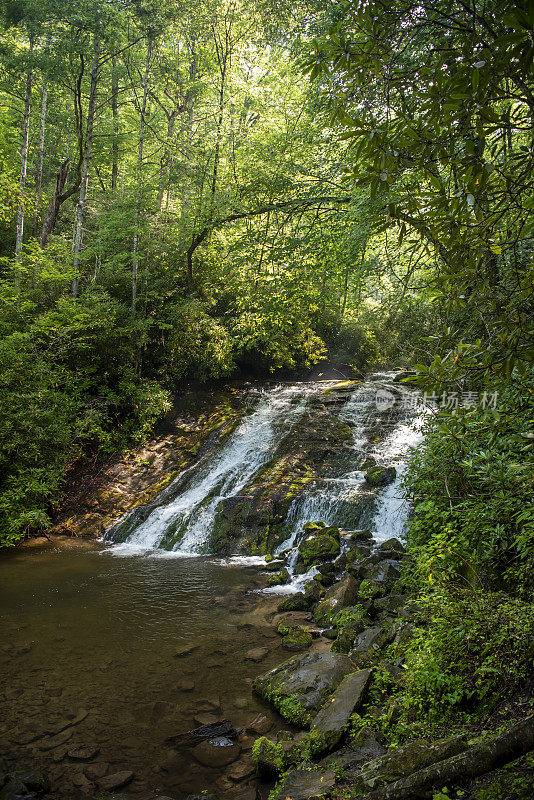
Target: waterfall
[[183, 524], [188, 519], [339, 501]]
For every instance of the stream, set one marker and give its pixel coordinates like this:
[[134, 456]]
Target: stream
[[149, 636]]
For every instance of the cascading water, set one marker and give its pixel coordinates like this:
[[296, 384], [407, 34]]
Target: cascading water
[[335, 500], [188, 519]]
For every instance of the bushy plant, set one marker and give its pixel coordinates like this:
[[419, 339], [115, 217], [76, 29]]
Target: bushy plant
[[474, 650]]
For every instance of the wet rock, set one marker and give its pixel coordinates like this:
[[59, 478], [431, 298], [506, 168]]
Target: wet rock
[[274, 565], [297, 639], [296, 602], [279, 578], [313, 591], [115, 781], [205, 719], [362, 568], [318, 547], [344, 593], [363, 535], [298, 687], [256, 654], [368, 645], [260, 725], [55, 741], [402, 761], [330, 633], [84, 752], [366, 745], [300, 784], [386, 571], [210, 756], [69, 722], [380, 476], [390, 545], [95, 771], [186, 650], [391, 603], [331, 721], [244, 768]]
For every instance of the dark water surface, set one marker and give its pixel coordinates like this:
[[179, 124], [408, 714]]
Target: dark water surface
[[84, 629]]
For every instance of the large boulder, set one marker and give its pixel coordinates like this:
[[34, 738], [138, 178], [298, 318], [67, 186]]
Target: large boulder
[[301, 784], [298, 687], [368, 645], [319, 546], [380, 476], [331, 721], [342, 594]]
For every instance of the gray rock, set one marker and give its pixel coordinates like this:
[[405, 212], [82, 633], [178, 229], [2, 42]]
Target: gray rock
[[300, 784], [391, 603], [332, 719], [298, 687], [116, 781], [210, 756], [368, 644], [256, 654], [342, 594]]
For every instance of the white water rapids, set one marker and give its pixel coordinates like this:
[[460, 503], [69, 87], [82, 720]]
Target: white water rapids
[[188, 518]]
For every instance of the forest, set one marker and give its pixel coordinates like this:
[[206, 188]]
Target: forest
[[204, 194]]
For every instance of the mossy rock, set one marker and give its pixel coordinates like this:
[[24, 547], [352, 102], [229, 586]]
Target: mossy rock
[[380, 476], [311, 527], [278, 578], [318, 548], [297, 639], [295, 602]]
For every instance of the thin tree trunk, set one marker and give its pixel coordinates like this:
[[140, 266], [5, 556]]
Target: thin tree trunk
[[24, 162], [39, 167], [86, 163], [52, 212], [115, 112], [135, 257]]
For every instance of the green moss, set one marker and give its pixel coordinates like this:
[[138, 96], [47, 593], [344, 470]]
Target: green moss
[[292, 710], [297, 639]]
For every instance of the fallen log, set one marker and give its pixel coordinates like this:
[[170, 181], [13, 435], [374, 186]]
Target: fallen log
[[214, 730], [479, 759]]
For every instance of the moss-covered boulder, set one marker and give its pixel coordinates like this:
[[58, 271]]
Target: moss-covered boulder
[[349, 622], [297, 639], [332, 720], [380, 476], [318, 547], [298, 687], [296, 602], [342, 594], [278, 578]]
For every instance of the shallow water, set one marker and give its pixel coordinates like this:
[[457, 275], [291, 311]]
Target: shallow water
[[84, 629]]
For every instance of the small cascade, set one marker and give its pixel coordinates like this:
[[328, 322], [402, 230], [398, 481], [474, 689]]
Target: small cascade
[[186, 522], [347, 501], [392, 510]]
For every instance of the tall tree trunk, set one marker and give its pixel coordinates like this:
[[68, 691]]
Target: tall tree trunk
[[135, 253], [39, 167], [115, 112], [24, 162], [86, 163]]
